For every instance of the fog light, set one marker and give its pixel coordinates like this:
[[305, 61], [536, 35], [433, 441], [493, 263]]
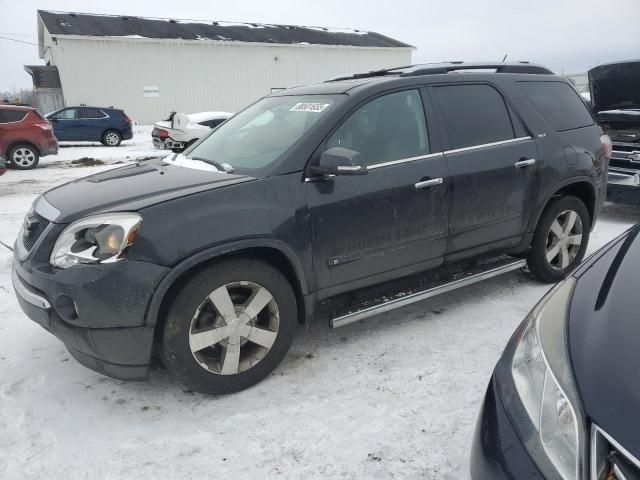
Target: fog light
[[66, 308]]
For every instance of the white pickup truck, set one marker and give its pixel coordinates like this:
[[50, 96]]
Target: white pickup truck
[[181, 130]]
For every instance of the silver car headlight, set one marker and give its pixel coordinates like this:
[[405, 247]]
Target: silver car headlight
[[546, 406], [99, 238]]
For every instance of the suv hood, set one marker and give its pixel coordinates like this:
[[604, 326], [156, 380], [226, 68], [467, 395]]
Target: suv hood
[[604, 334], [615, 86], [134, 187]]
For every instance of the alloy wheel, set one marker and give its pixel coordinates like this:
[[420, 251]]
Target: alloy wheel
[[564, 240], [24, 157], [234, 328], [111, 138]]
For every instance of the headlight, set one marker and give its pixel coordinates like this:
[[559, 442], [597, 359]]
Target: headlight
[[545, 406], [97, 239]]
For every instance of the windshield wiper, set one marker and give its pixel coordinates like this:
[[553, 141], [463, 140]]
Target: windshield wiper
[[223, 167]]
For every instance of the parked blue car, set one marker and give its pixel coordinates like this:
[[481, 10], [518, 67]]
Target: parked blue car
[[96, 124]]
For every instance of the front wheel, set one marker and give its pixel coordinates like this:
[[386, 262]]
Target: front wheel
[[560, 240], [229, 326]]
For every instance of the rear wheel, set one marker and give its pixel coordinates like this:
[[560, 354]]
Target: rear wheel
[[111, 138], [560, 240], [229, 326], [24, 157]]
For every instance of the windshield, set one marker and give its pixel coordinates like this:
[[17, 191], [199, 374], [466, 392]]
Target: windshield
[[259, 135]]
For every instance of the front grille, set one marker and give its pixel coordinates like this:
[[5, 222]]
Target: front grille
[[33, 227], [610, 460]]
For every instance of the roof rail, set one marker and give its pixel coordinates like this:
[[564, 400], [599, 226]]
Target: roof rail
[[447, 67]]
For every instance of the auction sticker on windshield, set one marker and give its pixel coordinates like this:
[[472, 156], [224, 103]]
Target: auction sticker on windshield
[[309, 107]]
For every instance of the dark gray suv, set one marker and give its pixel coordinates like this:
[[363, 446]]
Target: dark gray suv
[[334, 201]]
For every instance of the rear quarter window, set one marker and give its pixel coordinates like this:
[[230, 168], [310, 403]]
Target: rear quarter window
[[8, 116], [558, 103]]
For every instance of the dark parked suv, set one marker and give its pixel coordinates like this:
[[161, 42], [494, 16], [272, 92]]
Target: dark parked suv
[[335, 201]]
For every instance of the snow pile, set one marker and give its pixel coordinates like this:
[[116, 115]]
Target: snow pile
[[140, 147]]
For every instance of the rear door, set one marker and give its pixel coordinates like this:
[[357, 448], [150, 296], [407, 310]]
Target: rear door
[[393, 220], [90, 124], [493, 167]]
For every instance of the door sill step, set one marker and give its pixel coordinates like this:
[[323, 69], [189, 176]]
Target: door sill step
[[473, 275]]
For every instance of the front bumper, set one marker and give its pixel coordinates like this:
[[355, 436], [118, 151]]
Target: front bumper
[[497, 452], [624, 186], [97, 311]]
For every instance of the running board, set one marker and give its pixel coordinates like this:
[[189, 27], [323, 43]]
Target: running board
[[400, 299]]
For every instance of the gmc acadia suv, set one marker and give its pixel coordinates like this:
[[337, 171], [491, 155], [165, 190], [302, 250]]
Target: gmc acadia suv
[[334, 201]]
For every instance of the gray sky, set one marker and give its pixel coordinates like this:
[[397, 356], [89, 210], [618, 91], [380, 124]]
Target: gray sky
[[566, 35]]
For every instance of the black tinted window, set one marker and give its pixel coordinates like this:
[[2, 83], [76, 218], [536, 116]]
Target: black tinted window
[[7, 116], [558, 103], [90, 113], [388, 128], [474, 115]]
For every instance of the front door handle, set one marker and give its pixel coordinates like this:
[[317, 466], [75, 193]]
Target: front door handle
[[429, 183], [525, 163]]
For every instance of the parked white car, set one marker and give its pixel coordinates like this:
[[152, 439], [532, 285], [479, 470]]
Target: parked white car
[[181, 130]]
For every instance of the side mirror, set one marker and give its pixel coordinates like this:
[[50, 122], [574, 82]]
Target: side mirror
[[340, 161]]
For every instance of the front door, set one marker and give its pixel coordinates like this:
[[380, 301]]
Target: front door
[[63, 124], [394, 219], [493, 166]]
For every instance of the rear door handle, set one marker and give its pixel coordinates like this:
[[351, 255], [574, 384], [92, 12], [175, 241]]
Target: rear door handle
[[525, 163], [429, 183]]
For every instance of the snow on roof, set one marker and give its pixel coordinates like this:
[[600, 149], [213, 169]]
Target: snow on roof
[[94, 25]]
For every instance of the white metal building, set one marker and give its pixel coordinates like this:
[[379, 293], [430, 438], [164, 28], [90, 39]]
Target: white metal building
[[150, 66]]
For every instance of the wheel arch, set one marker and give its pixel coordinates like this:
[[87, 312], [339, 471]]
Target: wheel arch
[[274, 252], [21, 142], [580, 187]]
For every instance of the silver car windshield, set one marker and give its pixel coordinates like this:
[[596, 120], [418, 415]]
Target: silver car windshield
[[259, 135]]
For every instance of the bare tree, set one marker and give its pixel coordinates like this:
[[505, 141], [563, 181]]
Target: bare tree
[[21, 96]]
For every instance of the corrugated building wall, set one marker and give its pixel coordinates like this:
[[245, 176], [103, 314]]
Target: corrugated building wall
[[148, 78]]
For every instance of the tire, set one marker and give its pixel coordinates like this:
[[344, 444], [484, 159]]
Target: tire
[[24, 157], [212, 368], [111, 138], [554, 252]]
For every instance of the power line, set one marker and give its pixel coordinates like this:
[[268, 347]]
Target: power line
[[20, 41], [18, 34]]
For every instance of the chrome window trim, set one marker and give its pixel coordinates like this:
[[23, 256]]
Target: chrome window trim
[[595, 431], [404, 160], [437, 154], [484, 145], [106, 115]]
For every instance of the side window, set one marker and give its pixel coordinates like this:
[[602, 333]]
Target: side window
[[474, 115], [391, 127], [558, 103], [66, 114], [10, 116], [89, 113]]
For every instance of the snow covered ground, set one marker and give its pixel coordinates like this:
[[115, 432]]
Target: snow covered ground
[[396, 396]]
